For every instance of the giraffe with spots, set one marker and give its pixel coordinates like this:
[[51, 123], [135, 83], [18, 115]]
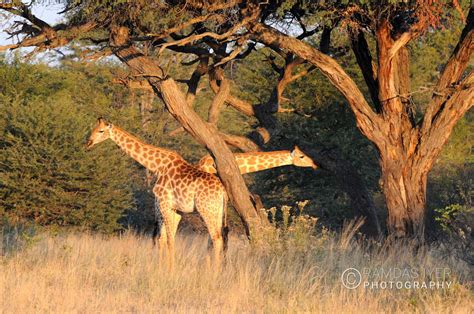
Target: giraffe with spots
[[258, 161], [180, 187]]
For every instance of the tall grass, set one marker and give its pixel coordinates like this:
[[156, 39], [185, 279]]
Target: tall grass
[[88, 273]]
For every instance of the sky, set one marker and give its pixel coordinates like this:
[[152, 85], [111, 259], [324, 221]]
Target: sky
[[43, 10]]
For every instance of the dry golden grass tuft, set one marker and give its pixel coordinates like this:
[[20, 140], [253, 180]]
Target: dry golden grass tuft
[[87, 273]]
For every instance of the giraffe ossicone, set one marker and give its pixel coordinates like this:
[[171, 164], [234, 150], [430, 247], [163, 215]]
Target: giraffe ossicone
[[180, 187]]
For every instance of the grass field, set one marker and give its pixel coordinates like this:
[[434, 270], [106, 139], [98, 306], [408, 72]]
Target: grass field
[[85, 273]]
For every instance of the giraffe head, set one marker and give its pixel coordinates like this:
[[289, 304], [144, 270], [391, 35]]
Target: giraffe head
[[300, 159], [100, 133]]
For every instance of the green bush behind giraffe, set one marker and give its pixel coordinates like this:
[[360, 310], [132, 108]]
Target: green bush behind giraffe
[[45, 176]]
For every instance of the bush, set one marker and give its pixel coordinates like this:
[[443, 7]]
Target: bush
[[457, 225], [45, 174]]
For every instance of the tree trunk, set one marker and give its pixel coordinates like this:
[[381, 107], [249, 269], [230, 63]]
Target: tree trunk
[[225, 163], [404, 188]]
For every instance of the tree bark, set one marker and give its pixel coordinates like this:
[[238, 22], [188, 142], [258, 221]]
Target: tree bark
[[220, 97], [404, 188], [203, 132]]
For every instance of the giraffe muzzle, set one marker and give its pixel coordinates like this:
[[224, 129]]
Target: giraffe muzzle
[[88, 145]]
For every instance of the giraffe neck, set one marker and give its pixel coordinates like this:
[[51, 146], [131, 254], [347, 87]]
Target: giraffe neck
[[153, 158], [253, 162]]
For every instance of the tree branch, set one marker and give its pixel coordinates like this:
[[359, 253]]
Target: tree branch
[[367, 120], [224, 36], [182, 26], [399, 43], [220, 97], [240, 142], [452, 72], [325, 42], [193, 82], [458, 103], [24, 11], [367, 66], [240, 105], [50, 38]]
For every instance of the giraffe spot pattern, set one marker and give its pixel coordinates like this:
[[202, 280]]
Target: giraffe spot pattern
[[179, 185]]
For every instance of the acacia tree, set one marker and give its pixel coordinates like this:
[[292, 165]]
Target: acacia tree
[[407, 145], [217, 32]]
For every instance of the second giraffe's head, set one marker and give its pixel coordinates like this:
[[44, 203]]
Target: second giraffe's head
[[100, 133], [300, 159]]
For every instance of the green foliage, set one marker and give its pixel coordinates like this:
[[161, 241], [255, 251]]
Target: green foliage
[[45, 174], [457, 223], [447, 215], [451, 180]]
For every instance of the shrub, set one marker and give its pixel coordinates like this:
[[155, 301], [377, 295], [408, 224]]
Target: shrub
[[457, 224], [45, 174]]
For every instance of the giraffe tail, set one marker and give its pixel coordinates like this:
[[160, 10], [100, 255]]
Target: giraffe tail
[[225, 227], [155, 231]]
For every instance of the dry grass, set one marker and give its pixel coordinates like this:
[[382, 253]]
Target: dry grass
[[87, 273]]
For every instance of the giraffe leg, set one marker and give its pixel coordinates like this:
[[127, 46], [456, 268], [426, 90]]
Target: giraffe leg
[[171, 221], [213, 218], [158, 224], [159, 231]]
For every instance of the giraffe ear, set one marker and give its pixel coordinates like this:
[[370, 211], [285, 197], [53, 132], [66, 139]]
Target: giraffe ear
[[296, 149]]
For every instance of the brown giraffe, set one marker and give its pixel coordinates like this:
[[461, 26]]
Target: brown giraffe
[[258, 161], [179, 187]]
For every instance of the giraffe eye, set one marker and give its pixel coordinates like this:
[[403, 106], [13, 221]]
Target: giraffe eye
[[101, 131]]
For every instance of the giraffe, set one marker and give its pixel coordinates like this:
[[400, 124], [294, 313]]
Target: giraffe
[[258, 161], [179, 187]]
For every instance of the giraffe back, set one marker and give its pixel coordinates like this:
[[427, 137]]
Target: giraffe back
[[207, 164], [185, 184]]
